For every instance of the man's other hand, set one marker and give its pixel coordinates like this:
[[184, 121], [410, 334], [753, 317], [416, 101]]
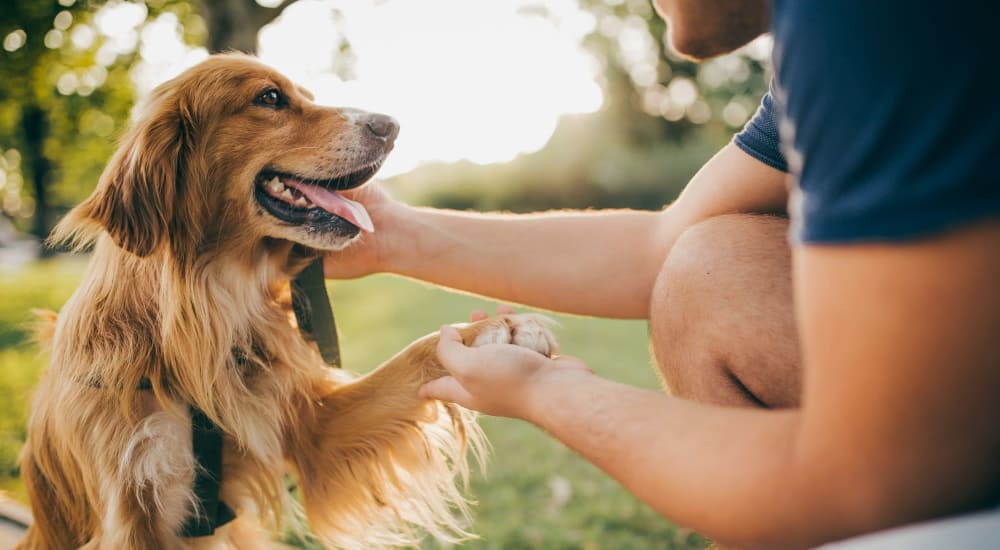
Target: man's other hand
[[496, 379], [364, 255]]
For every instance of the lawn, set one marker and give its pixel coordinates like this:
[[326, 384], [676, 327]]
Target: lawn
[[535, 493]]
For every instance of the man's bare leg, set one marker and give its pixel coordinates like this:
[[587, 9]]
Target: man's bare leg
[[721, 321]]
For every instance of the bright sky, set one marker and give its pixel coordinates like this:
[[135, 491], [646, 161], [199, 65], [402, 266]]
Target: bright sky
[[482, 80]]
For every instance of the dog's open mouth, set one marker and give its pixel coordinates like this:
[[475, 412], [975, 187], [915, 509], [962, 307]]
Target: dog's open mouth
[[315, 203]]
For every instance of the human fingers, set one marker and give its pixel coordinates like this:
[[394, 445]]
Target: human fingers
[[370, 193], [448, 389], [478, 315], [453, 354]]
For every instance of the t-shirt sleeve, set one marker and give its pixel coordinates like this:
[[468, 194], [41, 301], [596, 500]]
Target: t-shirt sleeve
[[889, 116], [759, 138]]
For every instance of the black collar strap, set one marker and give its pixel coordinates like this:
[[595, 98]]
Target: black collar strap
[[314, 313]]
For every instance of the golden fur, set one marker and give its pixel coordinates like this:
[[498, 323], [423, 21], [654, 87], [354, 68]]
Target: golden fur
[[188, 286]]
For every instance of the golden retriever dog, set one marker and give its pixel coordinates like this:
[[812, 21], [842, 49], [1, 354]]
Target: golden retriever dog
[[224, 188]]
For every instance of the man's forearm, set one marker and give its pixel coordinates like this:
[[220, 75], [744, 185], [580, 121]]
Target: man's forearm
[[729, 473], [590, 263]]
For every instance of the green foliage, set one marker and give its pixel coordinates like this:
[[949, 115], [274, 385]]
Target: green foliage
[[678, 96], [70, 83], [586, 164], [46, 286], [59, 108], [535, 494]]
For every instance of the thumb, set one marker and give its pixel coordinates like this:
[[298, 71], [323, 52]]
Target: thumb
[[451, 351], [446, 388]]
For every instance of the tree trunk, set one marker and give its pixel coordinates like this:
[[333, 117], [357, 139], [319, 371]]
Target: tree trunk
[[34, 124], [233, 24]]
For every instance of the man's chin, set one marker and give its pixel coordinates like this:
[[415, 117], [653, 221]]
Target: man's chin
[[702, 47]]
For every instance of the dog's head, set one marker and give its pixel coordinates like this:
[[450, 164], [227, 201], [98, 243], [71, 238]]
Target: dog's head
[[232, 152]]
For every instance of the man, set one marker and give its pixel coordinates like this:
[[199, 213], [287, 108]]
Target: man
[[845, 385]]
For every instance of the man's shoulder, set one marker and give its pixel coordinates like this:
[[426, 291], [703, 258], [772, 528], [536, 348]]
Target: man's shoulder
[[891, 129]]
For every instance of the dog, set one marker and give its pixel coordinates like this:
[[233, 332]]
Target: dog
[[224, 188]]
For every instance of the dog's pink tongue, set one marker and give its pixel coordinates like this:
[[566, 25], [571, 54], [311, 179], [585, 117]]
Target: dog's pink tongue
[[334, 203]]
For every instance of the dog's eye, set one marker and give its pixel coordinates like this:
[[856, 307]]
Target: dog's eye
[[270, 98]]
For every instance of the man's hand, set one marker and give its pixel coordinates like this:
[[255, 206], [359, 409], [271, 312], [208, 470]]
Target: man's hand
[[364, 255], [497, 379], [537, 259]]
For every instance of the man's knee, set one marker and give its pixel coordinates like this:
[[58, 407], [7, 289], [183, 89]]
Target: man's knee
[[722, 300], [707, 252], [713, 263]]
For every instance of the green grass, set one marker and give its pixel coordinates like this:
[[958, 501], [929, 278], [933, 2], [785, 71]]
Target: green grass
[[45, 286], [378, 316]]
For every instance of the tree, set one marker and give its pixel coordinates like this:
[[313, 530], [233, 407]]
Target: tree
[[32, 33], [234, 24]]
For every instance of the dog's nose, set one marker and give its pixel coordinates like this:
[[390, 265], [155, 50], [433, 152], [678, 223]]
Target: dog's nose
[[383, 127]]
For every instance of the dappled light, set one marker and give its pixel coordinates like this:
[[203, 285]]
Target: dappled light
[[14, 40]]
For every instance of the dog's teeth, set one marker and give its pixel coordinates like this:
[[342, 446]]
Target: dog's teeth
[[287, 194], [302, 201], [275, 185]]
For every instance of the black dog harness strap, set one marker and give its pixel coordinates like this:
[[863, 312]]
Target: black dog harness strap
[[315, 318], [314, 313], [206, 443]]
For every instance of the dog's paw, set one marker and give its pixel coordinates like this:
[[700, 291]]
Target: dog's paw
[[526, 330]]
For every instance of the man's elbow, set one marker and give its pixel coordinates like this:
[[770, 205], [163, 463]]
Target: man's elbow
[[854, 502], [819, 513]]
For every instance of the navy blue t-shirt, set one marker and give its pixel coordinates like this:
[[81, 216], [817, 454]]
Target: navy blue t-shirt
[[888, 113], [759, 138]]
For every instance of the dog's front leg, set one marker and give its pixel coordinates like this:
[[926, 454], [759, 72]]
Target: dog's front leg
[[378, 464], [409, 369]]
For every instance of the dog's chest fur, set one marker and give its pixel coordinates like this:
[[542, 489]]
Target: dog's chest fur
[[250, 393]]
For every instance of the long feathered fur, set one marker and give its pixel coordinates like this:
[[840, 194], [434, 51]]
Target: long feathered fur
[[185, 291]]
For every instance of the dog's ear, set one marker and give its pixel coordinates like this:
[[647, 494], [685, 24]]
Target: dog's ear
[[134, 200]]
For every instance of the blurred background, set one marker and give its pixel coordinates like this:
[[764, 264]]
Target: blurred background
[[515, 105]]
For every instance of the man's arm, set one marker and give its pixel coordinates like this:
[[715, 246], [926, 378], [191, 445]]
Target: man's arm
[[898, 422], [556, 260]]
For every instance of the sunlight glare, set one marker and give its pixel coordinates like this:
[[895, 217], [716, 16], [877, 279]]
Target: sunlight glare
[[478, 80], [467, 79]]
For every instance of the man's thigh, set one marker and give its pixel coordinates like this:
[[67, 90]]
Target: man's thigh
[[721, 319]]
